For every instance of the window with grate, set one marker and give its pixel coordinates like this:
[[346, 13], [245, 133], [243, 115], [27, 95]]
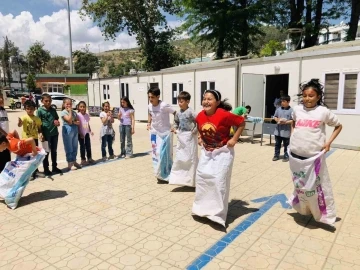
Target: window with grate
[[331, 94], [350, 87]]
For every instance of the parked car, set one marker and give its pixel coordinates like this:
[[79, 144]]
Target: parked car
[[57, 101], [8, 96]]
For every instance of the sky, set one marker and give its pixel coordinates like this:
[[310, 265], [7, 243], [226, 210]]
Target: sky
[[27, 21]]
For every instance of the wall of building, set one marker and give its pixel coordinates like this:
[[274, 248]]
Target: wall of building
[[184, 78], [290, 67]]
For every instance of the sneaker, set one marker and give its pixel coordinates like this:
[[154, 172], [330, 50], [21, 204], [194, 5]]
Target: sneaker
[[112, 157], [84, 163], [77, 165], [47, 172], [55, 170], [275, 158], [122, 156], [285, 159], [127, 157], [91, 161], [104, 158]]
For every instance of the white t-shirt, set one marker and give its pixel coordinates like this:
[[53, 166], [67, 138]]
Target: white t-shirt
[[309, 134], [4, 120], [160, 117]]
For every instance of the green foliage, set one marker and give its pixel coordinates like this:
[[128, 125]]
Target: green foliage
[[30, 82], [143, 18], [85, 61], [271, 48], [229, 26], [56, 64], [37, 57], [78, 89], [6, 52]]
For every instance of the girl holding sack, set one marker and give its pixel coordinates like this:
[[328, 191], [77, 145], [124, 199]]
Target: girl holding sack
[[217, 155], [308, 145]]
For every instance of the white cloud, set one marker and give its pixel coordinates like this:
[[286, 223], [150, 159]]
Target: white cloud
[[52, 29]]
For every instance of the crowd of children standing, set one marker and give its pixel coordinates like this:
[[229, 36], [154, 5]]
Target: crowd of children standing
[[213, 173], [42, 127]]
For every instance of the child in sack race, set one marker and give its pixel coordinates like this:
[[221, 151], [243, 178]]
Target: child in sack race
[[217, 155], [160, 134], [184, 168], [307, 160]]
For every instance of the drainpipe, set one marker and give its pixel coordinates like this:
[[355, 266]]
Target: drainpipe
[[300, 73]]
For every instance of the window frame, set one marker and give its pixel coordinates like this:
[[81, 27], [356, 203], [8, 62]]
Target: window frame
[[177, 91], [341, 91], [207, 88]]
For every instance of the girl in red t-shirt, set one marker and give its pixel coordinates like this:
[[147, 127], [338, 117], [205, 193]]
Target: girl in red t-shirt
[[215, 121], [217, 155]]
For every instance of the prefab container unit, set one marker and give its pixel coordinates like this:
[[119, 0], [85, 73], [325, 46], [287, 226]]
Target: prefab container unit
[[195, 79], [336, 65], [100, 90]]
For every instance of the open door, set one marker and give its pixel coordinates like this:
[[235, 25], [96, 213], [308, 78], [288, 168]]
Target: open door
[[140, 101], [253, 94]]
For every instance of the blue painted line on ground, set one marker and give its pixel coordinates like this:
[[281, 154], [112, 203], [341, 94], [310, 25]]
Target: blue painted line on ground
[[226, 240], [328, 154]]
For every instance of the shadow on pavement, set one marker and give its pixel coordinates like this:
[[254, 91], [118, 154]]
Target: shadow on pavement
[[184, 189], [42, 196]]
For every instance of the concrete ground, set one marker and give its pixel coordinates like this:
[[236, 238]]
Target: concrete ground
[[115, 215]]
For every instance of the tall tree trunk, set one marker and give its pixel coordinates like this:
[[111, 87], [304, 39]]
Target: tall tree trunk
[[220, 48], [313, 28], [296, 13], [354, 20]]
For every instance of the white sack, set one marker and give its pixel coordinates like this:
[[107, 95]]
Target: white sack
[[312, 188], [212, 180], [162, 154], [16, 175], [184, 168]]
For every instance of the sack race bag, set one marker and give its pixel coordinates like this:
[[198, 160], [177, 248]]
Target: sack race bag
[[312, 188], [16, 175], [186, 159], [212, 180], [162, 154]]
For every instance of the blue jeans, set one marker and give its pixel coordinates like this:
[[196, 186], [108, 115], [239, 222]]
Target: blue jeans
[[70, 139], [125, 131], [107, 139]]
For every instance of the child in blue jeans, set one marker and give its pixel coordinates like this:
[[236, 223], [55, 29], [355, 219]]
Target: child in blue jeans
[[70, 131], [107, 131]]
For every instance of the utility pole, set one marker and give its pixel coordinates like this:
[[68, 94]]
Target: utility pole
[[70, 41]]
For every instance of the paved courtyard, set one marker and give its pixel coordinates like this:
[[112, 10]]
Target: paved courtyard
[[115, 215]]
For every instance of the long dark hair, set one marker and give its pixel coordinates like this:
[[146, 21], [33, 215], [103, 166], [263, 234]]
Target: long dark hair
[[223, 103], [126, 99], [317, 86], [83, 103]]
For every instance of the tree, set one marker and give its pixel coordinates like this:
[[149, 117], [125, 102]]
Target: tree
[[8, 51], [271, 48], [229, 25], [85, 61], [312, 16], [354, 19], [269, 33], [38, 57], [143, 18], [30, 82], [56, 64]]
